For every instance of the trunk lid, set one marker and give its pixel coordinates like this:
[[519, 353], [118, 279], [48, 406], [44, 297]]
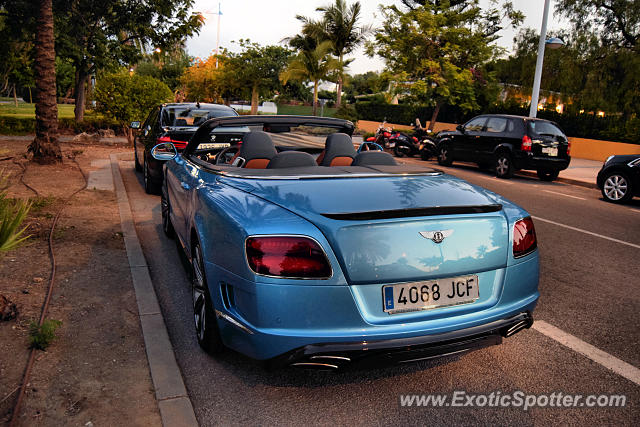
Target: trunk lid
[[374, 225]]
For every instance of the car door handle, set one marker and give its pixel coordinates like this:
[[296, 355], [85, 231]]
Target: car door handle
[[185, 185]]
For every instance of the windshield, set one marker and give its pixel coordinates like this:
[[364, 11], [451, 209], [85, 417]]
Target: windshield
[[189, 116]]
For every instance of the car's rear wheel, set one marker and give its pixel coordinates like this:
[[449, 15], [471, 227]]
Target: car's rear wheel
[[136, 162], [504, 165], [150, 187], [444, 155], [204, 316], [165, 207], [617, 188], [547, 175]]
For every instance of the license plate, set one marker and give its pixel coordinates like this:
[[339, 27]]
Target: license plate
[[213, 145], [552, 151], [430, 294]]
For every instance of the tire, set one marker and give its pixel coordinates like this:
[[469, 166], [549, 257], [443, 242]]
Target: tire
[[444, 155], [397, 151], [425, 155], [616, 188], [547, 175], [165, 208], [135, 159], [150, 187], [504, 165], [204, 316]]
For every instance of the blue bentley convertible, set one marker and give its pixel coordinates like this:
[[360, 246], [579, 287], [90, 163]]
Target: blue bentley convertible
[[323, 257]]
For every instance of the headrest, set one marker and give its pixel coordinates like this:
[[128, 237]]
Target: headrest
[[337, 145], [257, 145], [367, 158], [291, 159], [180, 122]]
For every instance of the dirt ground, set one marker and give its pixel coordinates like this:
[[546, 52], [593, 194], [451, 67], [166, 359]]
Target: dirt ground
[[96, 371]]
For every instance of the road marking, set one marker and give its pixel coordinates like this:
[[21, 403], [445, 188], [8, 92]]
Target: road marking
[[602, 358], [633, 245], [565, 195]]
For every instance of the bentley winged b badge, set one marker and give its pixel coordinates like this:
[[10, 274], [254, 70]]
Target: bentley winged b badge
[[437, 236]]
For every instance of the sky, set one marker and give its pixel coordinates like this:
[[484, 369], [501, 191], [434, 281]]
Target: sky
[[269, 21]]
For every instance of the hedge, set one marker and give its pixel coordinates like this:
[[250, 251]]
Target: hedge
[[611, 128], [22, 125]]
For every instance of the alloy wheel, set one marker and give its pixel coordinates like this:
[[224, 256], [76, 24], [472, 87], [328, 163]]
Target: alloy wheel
[[198, 295], [616, 187]]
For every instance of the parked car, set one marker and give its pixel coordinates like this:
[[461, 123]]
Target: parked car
[[325, 266], [507, 143], [619, 178], [174, 123]]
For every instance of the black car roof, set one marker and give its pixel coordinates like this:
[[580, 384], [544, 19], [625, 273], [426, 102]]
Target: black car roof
[[513, 116], [195, 104]]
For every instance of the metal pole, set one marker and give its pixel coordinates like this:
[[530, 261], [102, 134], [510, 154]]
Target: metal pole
[[218, 38], [533, 110]]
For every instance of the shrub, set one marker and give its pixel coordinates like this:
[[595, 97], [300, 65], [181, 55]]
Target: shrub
[[347, 112], [40, 337], [12, 214]]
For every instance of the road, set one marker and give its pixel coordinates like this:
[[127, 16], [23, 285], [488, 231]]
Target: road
[[589, 291]]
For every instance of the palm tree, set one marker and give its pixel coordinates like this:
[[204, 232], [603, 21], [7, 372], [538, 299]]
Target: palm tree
[[313, 62], [45, 147], [339, 25]]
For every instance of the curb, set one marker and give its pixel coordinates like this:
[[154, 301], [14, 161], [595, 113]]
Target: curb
[[570, 181], [171, 394]]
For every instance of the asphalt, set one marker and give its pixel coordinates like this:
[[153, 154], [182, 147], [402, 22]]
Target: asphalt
[[588, 289]]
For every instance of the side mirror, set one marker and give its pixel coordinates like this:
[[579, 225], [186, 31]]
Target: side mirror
[[164, 151], [135, 125], [460, 128]]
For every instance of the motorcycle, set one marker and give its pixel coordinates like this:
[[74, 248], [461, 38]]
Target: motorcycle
[[382, 136], [427, 146]]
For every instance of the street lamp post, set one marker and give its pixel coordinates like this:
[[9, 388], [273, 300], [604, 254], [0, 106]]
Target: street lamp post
[[553, 43]]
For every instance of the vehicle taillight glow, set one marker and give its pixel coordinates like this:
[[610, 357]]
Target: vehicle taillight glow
[[568, 147], [295, 257], [180, 145], [526, 143], [524, 237]]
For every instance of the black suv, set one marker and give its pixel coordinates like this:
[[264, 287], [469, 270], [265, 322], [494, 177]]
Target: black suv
[[174, 123], [507, 143]]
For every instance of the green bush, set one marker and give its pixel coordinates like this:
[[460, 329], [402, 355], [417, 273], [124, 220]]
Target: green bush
[[347, 112], [27, 125], [40, 337], [12, 213]]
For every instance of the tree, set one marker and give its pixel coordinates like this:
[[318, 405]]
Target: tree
[[202, 81], [126, 98], [435, 49], [168, 67], [312, 63], [617, 21], [255, 69], [339, 25], [45, 147], [99, 35]]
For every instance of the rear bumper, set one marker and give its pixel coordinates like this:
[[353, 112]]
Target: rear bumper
[[527, 161], [334, 356]]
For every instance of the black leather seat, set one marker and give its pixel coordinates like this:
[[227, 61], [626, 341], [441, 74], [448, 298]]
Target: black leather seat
[[372, 158], [256, 151], [291, 159], [338, 151]]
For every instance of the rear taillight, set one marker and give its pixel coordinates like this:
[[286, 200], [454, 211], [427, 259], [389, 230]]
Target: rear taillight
[[568, 147], [526, 143], [524, 237], [180, 145], [294, 257]]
